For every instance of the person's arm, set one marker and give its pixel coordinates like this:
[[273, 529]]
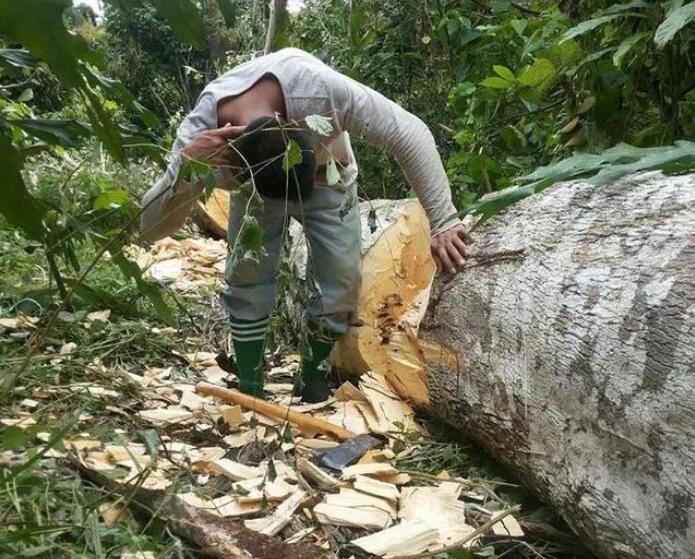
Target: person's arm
[[367, 114], [167, 204]]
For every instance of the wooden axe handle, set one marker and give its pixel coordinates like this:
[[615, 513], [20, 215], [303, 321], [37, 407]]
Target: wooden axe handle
[[302, 421]]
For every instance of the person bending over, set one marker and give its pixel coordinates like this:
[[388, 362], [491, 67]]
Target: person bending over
[[241, 126]]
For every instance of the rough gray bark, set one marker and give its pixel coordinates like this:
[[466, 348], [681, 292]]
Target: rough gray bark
[[579, 357]]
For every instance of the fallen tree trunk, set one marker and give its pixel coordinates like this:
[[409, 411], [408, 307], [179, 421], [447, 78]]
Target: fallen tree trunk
[[566, 348], [579, 357]]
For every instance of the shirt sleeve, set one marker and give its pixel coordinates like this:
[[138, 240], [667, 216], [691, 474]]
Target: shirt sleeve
[[367, 114], [167, 204]]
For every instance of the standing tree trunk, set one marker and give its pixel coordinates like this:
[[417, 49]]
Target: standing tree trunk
[[277, 25], [578, 357]]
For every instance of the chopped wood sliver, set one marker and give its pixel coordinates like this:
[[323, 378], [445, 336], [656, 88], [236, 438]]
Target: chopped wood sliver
[[348, 416], [230, 469], [406, 538], [508, 526], [393, 414], [163, 416], [273, 524], [438, 506], [316, 474], [348, 497], [375, 469], [371, 486], [348, 391], [366, 517], [232, 416]]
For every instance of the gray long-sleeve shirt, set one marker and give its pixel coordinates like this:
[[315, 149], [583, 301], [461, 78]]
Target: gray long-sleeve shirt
[[310, 87]]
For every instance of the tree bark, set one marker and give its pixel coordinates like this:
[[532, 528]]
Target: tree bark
[[277, 24], [578, 357]]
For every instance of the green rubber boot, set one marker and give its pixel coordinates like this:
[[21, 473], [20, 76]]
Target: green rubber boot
[[248, 337]]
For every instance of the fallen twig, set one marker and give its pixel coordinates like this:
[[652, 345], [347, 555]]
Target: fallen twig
[[218, 538]]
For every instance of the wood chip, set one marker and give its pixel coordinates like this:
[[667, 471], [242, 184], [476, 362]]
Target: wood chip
[[322, 478], [22, 422], [440, 508], [215, 375], [405, 538], [299, 536], [348, 391], [228, 507], [164, 416], [348, 416], [508, 526], [316, 443], [393, 414], [377, 488], [366, 517], [192, 401], [348, 497], [376, 469], [113, 513], [232, 470], [232, 416], [237, 440], [376, 455], [273, 524]]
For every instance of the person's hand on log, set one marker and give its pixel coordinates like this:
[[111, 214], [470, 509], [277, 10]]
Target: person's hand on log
[[450, 249], [212, 147]]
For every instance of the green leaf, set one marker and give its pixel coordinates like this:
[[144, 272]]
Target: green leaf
[[537, 79], [675, 21], [622, 8], [17, 58], [252, 234], [497, 83], [116, 90], [627, 45], [586, 26], [149, 290], [26, 96], [540, 75], [13, 438], [332, 174], [151, 440], [504, 73], [111, 199], [185, 20], [615, 163], [38, 25], [99, 298], [19, 207], [66, 133], [293, 155], [320, 124], [228, 10]]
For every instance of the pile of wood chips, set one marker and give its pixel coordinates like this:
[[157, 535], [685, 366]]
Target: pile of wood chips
[[236, 463], [185, 265], [264, 472]]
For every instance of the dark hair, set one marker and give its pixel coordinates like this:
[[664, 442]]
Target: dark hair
[[264, 144]]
